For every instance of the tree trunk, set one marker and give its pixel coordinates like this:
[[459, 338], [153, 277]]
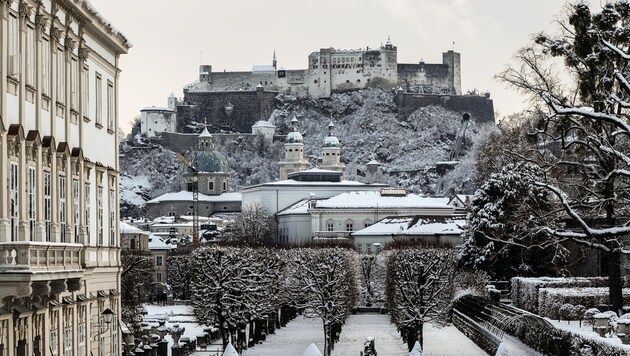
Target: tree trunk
[[615, 283], [412, 336], [419, 334], [327, 340]]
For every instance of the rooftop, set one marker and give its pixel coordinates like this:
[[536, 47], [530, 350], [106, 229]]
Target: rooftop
[[188, 196], [415, 225]]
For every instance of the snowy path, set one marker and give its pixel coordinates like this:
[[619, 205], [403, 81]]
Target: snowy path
[[291, 340]]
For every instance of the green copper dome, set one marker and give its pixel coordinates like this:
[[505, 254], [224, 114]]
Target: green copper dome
[[209, 162]]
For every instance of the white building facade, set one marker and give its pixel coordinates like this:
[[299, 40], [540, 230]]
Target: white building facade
[[59, 234]]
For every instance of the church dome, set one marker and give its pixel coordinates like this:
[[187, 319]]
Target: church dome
[[294, 137], [209, 162], [331, 141]]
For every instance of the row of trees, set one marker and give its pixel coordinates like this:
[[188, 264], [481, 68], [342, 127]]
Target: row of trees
[[566, 180], [259, 288]]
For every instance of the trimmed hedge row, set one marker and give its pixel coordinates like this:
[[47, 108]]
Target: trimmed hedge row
[[550, 299], [526, 294]]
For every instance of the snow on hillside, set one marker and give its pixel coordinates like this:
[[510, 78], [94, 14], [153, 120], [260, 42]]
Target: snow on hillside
[[367, 125]]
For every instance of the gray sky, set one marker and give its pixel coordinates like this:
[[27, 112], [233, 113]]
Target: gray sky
[[169, 36]]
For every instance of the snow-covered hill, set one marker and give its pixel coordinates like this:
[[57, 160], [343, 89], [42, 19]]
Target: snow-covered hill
[[367, 126]]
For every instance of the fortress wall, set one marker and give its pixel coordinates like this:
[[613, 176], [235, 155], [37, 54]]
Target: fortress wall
[[249, 107], [481, 108], [181, 142], [413, 76]]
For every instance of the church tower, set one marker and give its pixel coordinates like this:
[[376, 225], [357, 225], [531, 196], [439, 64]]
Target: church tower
[[293, 153], [331, 152], [275, 62]]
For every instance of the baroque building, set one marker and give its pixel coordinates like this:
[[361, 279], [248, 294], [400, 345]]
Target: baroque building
[[59, 234]]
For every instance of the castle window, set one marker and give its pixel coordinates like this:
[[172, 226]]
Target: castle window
[[224, 186], [225, 208], [315, 81], [347, 81], [358, 80], [290, 150], [210, 185]]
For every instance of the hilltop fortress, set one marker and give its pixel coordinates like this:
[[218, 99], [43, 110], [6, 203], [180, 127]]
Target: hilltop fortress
[[234, 101], [331, 70]]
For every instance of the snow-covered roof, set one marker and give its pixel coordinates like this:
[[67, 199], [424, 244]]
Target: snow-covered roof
[[294, 137], [263, 123], [415, 225], [331, 141], [205, 133], [126, 228], [156, 243], [263, 68], [156, 108], [172, 95], [188, 196], [376, 200], [300, 207], [373, 162]]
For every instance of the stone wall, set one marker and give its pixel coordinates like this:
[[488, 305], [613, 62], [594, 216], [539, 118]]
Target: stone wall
[[481, 108], [184, 208], [248, 107], [183, 142]]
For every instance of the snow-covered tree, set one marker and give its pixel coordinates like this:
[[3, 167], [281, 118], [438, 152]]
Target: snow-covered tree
[[254, 226], [235, 286], [137, 267], [419, 289], [503, 236], [322, 284], [180, 271], [585, 134]]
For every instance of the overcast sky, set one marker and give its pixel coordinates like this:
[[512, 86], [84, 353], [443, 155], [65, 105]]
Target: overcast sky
[[169, 38]]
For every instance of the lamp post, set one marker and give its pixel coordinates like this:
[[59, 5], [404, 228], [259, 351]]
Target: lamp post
[[107, 315]]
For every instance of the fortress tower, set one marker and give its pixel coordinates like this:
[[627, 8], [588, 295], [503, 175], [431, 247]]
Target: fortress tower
[[293, 153], [331, 152]]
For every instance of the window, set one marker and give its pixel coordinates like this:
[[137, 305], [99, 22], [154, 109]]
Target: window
[[224, 186], [81, 345], [99, 100], [31, 185], [112, 218], [158, 261], [110, 106], [101, 339], [74, 85], [85, 92], [133, 244], [61, 75], [330, 225], [53, 341], [99, 216], [14, 47], [46, 67], [158, 277], [67, 341], [210, 185], [30, 56], [349, 225], [115, 336], [87, 212], [47, 203], [75, 209], [14, 200], [62, 207], [367, 222]]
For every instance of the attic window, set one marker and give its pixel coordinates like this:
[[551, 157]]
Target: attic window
[[393, 192]]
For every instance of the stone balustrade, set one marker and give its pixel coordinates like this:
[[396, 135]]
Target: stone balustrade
[[39, 256], [332, 234]]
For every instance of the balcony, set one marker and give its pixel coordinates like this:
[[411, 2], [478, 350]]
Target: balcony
[[39, 257]]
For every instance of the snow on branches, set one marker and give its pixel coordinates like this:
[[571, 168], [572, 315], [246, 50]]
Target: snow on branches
[[419, 289]]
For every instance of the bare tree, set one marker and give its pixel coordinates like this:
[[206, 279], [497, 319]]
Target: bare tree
[[419, 289], [180, 272], [254, 225], [585, 135], [137, 267]]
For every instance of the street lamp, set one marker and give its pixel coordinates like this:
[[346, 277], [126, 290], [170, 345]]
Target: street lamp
[[107, 315]]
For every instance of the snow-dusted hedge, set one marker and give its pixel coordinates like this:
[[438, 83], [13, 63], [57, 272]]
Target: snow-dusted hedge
[[525, 291], [550, 299]]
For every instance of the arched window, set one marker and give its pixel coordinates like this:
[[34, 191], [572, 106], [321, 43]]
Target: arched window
[[330, 225], [349, 225], [367, 222]]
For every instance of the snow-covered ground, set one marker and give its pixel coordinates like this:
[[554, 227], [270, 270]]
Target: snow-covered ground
[[174, 314], [587, 332], [299, 333]]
